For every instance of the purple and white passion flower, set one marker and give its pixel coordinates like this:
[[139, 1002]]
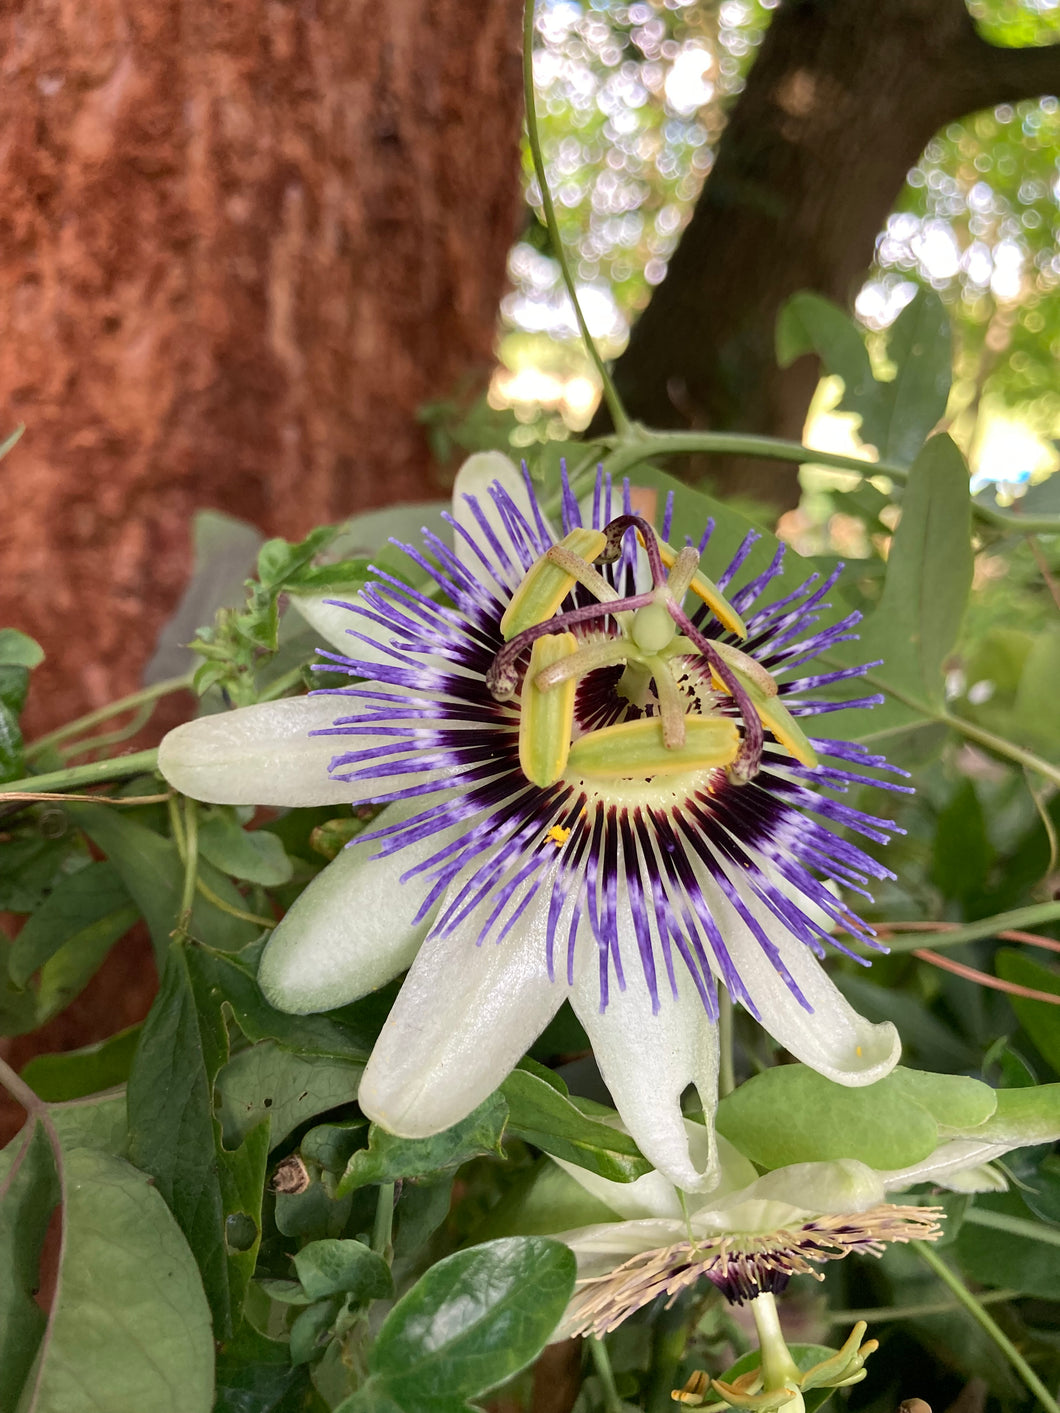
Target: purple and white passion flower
[[592, 792]]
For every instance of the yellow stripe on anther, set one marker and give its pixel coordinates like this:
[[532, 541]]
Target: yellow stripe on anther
[[775, 716], [546, 719], [712, 596], [546, 584], [636, 748]]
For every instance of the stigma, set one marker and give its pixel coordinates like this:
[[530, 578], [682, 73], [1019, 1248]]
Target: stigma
[[685, 701]]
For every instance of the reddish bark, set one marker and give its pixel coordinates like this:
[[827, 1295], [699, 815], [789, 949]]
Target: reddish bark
[[239, 246]]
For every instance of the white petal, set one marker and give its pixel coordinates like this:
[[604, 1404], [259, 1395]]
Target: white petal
[[265, 755], [605, 1245], [844, 1185], [474, 479], [960, 1164], [465, 1016], [258, 755], [832, 1038], [654, 1195], [334, 624], [647, 1061], [352, 929]]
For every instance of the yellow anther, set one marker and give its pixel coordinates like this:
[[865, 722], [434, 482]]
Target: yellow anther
[[709, 592], [748, 667], [775, 716], [557, 835], [637, 749], [546, 719], [547, 584], [694, 1392]]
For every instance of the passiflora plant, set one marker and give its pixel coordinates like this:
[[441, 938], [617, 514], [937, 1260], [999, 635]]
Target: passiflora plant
[[511, 889]]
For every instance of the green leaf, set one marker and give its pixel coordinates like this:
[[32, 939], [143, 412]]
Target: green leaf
[[88, 909], [332, 1145], [388, 1158], [234, 980], [312, 1213], [129, 1328], [340, 579], [929, 574], [542, 1200], [1035, 715], [97, 1121], [475, 1319], [791, 1114], [1003, 1258], [174, 1135], [312, 1330], [19, 649], [75, 1073], [29, 1190], [30, 866], [1039, 1019], [254, 855], [921, 346], [541, 1115], [12, 685], [809, 323], [151, 870], [963, 853], [255, 1375], [268, 1082], [343, 1268], [896, 416], [954, 1101]]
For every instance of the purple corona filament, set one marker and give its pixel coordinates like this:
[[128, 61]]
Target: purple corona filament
[[661, 870]]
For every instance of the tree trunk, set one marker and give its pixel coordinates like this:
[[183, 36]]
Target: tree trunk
[[241, 245], [839, 104]]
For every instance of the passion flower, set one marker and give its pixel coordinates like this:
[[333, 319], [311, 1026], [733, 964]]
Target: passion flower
[[598, 787]]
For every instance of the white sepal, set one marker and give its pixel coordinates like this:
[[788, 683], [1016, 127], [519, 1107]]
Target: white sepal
[[258, 755], [352, 929]]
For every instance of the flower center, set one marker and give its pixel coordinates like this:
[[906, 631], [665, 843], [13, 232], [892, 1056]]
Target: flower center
[[652, 638]]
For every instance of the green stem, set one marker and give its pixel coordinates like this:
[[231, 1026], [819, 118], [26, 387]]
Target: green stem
[[118, 768], [779, 1369], [383, 1230], [726, 1069], [218, 902], [882, 1314], [621, 421], [669, 1341], [998, 744], [637, 445], [191, 859], [602, 1363], [1018, 920], [983, 1320], [109, 738], [1014, 1226], [85, 723], [1002, 746], [644, 445]]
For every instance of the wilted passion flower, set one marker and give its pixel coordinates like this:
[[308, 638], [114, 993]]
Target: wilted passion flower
[[597, 788]]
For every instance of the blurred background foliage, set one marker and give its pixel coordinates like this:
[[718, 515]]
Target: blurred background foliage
[[633, 101]]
